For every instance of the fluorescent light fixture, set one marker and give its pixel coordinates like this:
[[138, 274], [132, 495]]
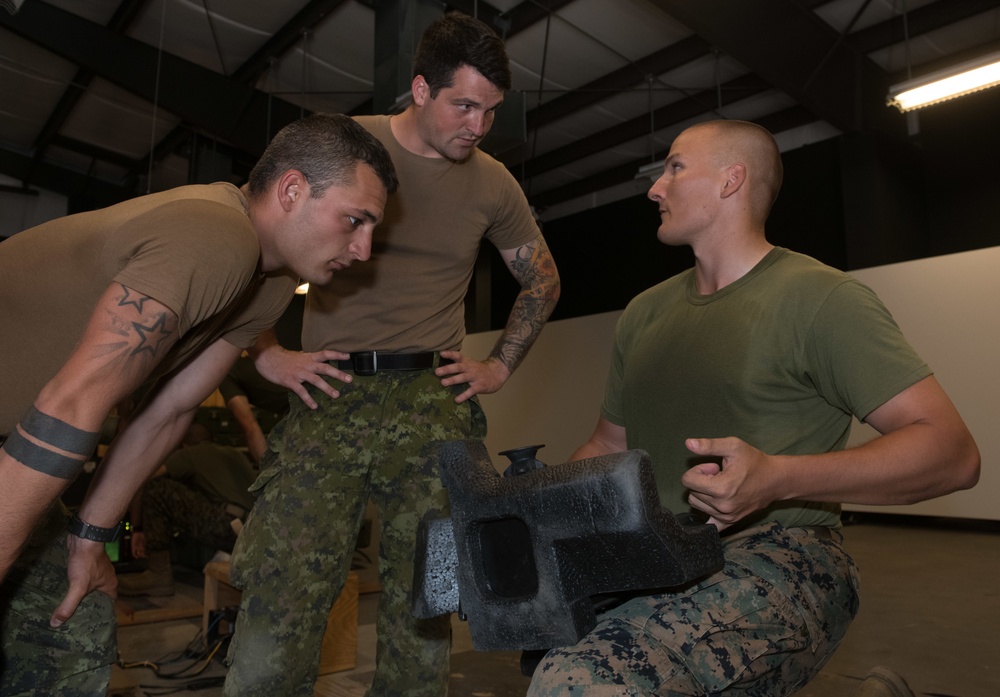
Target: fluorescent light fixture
[[942, 85], [652, 171]]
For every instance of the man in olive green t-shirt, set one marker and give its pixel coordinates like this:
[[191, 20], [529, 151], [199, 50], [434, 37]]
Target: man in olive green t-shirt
[[740, 377]]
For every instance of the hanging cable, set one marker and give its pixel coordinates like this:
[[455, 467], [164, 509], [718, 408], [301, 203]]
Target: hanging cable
[[652, 120], [840, 40], [541, 89], [215, 38], [906, 41], [270, 95], [305, 72], [717, 67], [156, 97]]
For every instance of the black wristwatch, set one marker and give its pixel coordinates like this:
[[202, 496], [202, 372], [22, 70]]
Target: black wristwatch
[[87, 531]]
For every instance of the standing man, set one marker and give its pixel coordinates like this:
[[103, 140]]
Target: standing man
[[172, 286], [406, 385], [740, 378]]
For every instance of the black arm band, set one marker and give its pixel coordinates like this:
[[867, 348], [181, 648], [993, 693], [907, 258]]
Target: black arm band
[[58, 433], [40, 459]]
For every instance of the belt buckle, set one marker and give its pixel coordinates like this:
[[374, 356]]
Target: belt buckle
[[365, 362]]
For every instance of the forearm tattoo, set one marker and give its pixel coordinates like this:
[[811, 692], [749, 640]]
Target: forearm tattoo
[[49, 445], [535, 271]]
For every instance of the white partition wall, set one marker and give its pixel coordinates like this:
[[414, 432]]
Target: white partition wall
[[949, 309], [555, 396], [947, 306]]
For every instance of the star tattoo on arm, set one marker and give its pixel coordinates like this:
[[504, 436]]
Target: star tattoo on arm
[[133, 298], [151, 337]]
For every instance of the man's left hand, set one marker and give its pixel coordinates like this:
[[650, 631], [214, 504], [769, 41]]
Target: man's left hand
[[483, 377], [734, 486], [88, 569]]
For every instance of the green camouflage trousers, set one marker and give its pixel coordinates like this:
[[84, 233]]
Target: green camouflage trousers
[[171, 508], [37, 660], [763, 626], [295, 551]]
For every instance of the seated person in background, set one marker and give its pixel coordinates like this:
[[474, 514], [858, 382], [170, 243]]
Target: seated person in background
[[201, 492], [740, 378], [251, 398]]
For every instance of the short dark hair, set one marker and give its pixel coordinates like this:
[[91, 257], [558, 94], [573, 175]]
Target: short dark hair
[[457, 39], [756, 147], [326, 148]]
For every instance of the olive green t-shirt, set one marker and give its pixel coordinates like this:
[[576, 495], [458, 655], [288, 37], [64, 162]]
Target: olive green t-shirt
[[782, 359]]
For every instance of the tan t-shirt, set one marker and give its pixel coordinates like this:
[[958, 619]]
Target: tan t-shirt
[[410, 296], [191, 248]]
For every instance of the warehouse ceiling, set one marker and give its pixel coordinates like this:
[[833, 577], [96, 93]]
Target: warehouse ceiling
[[107, 99]]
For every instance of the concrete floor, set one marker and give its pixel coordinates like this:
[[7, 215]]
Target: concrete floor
[[930, 610]]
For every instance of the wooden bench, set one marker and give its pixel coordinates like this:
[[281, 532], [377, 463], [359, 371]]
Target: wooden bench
[[340, 643]]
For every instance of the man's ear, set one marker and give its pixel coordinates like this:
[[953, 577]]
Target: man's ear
[[420, 90], [736, 177], [292, 187]]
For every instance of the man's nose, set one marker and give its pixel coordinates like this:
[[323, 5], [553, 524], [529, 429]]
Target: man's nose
[[655, 192], [362, 247], [479, 123]]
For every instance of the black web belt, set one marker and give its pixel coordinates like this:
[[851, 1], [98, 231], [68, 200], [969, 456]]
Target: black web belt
[[371, 362]]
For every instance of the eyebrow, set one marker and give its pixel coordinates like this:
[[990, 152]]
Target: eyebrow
[[475, 103], [368, 214]]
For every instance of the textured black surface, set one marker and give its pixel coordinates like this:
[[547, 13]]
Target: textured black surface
[[530, 551]]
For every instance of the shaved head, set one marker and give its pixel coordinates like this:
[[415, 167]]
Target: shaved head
[[753, 146]]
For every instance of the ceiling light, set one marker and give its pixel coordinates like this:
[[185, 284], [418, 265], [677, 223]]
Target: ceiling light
[[652, 171], [942, 85]]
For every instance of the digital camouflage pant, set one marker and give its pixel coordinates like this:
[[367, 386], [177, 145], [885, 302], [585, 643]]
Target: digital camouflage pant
[[763, 626], [40, 661], [172, 508], [295, 551]]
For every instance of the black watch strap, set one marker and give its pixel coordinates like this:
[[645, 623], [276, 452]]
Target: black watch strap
[[87, 531]]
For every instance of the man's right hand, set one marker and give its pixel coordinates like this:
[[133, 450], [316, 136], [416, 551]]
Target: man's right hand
[[294, 369]]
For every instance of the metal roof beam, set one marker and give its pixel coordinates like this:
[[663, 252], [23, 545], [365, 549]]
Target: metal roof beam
[[798, 53], [223, 107]]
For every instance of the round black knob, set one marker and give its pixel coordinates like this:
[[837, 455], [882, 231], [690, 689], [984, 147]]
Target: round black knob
[[522, 460]]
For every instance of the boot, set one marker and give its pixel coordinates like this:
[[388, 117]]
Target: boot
[[157, 579], [884, 682]]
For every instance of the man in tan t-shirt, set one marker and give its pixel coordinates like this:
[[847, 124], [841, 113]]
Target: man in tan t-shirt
[[405, 386], [170, 286]]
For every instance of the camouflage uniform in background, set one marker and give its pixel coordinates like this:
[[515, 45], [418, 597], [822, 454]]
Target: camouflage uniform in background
[[321, 467], [783, 592], [40, 661], [171, 508]]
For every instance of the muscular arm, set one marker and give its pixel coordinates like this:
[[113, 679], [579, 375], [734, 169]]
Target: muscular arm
[[125, 338], [535, 270], [133, 456], [925, 450], [607, 438]]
